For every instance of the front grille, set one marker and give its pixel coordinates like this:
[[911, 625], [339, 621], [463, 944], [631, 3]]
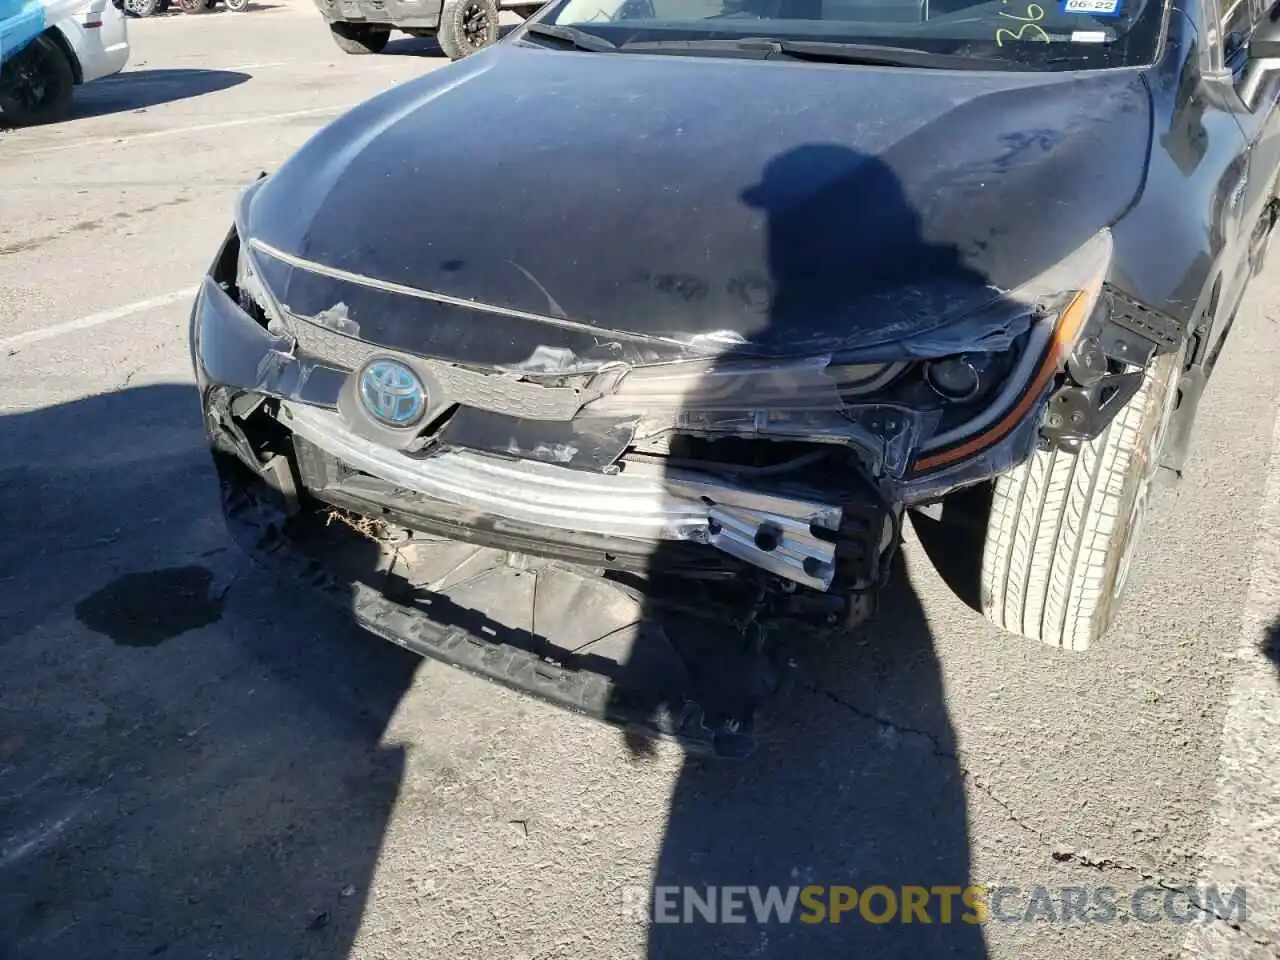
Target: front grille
[[498, 392]]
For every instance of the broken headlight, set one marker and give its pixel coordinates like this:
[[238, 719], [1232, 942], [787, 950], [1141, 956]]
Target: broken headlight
[[948, 395], [248, 283], [254, 298], [959, 378], [708, 386], [1059, 303], [806, 399]]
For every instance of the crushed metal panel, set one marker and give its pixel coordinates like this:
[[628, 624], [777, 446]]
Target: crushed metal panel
[[587, 443]]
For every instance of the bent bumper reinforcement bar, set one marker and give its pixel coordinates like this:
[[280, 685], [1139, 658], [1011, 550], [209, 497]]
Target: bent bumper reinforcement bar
[[644, 502]]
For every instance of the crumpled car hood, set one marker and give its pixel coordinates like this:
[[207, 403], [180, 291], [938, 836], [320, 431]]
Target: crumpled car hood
[[680, 200]]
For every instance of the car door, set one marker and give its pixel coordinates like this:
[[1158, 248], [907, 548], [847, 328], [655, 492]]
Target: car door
[[1258, 113]]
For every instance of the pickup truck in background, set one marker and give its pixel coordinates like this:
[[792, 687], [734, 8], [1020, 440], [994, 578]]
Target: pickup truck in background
[[461, 27]]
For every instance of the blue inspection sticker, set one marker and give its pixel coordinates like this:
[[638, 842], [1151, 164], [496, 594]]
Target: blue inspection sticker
[[1092, 8]]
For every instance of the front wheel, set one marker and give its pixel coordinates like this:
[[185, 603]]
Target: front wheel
[[236, 6], [467, 26], [36, 84], [1063, 526], [141, 8], [359, 38], [193, 6]]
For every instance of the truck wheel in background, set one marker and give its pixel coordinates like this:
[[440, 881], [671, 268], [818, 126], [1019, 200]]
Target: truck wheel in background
[[36, 84], [359, 37], [467, 26]]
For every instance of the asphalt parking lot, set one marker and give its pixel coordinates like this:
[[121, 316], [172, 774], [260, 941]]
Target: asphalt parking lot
[[198, 762]]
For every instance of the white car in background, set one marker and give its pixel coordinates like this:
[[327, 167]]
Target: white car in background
[[38, 82]]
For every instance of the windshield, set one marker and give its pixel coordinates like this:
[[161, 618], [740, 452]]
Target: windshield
[[1049, 35]]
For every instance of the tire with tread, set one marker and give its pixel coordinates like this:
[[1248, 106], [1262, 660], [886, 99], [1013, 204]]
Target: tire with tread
[[459, 21], [1063, 525], [359, 38], [36, 84]]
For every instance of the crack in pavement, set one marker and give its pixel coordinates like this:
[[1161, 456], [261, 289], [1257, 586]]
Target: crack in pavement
[[1059, 852]]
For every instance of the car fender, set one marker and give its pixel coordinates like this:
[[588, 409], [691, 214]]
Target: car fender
[[57, 34], [95, 39]]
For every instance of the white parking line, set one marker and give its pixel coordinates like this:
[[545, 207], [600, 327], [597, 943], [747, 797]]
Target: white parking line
[[1244, 832], [250, 66], [95, 319], [179, 131]]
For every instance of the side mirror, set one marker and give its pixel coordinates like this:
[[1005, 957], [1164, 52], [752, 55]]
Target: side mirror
[[1264, 57]]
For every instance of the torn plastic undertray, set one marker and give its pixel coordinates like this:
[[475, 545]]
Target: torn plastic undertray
[[577, 641]]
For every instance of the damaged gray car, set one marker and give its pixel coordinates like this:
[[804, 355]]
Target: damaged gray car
[[683, 331]]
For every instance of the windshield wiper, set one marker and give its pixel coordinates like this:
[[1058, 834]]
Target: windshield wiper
[[825, 51], [580, 39]]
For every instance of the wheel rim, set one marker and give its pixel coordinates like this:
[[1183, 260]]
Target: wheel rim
[[475, 25], [29, 85]]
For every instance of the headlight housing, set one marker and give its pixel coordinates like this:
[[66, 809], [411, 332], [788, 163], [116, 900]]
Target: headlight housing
[[909, 408], [706, 386], [1059, 302], [254, 297]]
